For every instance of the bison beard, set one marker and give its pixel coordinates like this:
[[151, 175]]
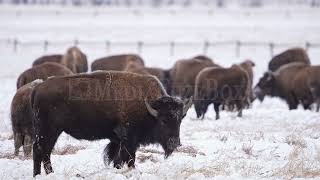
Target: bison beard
[[150, 118]]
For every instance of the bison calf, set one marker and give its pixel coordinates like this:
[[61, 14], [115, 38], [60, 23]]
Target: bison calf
[[129, 109], [221, 86]]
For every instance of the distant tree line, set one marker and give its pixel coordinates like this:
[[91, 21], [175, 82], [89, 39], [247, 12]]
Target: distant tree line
[[158, 3]]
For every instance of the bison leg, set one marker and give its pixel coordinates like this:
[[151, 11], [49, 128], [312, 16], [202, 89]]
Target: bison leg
[[240, 108], [128, 153], [240, 113], [27, 146], [216, 109], [51, 140], [292, 102], [37, 156], [318, 106], [18, 141]]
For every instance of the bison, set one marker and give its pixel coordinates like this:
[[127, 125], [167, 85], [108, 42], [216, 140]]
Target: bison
[[306, 86], [289, 56], [21, 119], [127, 108], [55, 58], [221, 86], [42, 71], [161, 74], [183, 75], [248, 67], [116, 62], [280, 84], [75, 60]]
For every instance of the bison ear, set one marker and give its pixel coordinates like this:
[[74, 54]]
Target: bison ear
[[151, 110], [187, 105]]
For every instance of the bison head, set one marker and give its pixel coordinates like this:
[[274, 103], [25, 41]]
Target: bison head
[[168, 113], [264, 86]]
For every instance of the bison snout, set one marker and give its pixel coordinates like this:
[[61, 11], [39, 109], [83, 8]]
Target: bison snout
[[258, 93]]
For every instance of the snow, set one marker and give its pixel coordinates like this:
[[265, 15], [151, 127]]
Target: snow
[[268, 142]]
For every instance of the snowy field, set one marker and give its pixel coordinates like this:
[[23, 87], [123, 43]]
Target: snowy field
[[268, 142]]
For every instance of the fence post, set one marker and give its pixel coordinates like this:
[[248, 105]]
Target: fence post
[[15, 45], [76, 42], [45, 45], [271, 46], [108, 46], [172, 44], [238, 45], [206, 47], [308, 45], [139, 47]]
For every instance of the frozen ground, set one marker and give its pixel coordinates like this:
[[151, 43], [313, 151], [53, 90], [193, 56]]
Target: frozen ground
[[268, 142]]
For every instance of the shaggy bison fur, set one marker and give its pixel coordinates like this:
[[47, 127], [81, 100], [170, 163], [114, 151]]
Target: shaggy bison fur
[[289, 56], [116, 62], [127, 108]]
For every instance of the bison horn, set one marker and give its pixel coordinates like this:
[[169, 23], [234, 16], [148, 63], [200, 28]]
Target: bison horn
[[152, 111], [187, 105]]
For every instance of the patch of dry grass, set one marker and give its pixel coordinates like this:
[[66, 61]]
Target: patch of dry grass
[[220, 167], [247, 148], [295, 140], [302, 163], [68, 149]]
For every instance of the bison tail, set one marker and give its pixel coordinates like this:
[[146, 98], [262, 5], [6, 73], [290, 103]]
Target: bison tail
[[111, 153]]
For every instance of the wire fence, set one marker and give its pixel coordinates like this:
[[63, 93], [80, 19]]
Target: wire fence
[[161, 3], [17, 44]]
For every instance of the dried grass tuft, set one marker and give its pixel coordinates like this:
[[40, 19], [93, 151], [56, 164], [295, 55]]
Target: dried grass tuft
[[68, 149], [301, 164]]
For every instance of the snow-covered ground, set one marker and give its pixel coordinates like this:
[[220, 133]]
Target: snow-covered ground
[[268, 142]]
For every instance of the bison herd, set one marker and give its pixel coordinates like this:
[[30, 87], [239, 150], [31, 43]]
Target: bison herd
[[131, 105]]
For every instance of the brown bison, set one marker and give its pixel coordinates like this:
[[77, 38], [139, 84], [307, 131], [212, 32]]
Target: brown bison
[[184, 73], [127, 108], [56, 58], [116, 62], [306, 86], [248, 67], [75, 60], [221, 86], [280, 84], [21, 119], [161, 74], [43, 72], [289, 56]]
